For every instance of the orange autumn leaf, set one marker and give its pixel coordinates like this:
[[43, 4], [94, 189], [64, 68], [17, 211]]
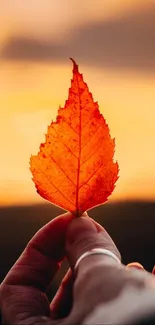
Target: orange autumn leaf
[[74, 168]]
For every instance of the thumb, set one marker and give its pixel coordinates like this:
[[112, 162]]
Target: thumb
[[84, 234]]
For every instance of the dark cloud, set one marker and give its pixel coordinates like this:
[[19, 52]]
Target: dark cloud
[[128, 42]]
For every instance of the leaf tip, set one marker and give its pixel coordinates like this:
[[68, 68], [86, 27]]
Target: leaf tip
[[75, 66]]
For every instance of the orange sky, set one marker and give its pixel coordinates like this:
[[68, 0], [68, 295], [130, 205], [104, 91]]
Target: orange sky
[[30, 94]]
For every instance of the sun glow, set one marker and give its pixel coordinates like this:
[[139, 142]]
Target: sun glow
[[30, 97]]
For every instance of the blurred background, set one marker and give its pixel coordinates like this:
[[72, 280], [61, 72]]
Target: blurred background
[[113, 43]]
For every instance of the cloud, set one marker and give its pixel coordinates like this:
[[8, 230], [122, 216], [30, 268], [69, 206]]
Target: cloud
[[126, 42]]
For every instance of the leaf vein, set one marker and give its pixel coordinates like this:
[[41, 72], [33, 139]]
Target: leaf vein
[[98, 127], [79, 158], [93, 153], [51, 183], [64, 143], [94, 173], [59, 167], [69, 125]]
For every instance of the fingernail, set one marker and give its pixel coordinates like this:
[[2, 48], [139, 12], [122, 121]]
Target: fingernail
[[135, 265], [78, 227]]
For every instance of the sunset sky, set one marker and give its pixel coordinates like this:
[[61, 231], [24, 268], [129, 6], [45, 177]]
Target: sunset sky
[[113, 43]]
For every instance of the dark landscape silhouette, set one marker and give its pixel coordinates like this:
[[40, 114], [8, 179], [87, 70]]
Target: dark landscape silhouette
[[130, 224]]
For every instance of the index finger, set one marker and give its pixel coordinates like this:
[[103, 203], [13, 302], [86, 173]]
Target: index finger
[[22, 291]]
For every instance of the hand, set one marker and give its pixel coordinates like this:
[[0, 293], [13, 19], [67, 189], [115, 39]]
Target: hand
[[22, 293], [99, 278]]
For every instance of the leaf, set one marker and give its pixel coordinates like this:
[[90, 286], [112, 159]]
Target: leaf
[[74, 168]]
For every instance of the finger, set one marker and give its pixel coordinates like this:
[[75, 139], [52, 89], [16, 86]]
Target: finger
[[22, 291], [62, 302], [84, 234], [153, 271], [136, 265]]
